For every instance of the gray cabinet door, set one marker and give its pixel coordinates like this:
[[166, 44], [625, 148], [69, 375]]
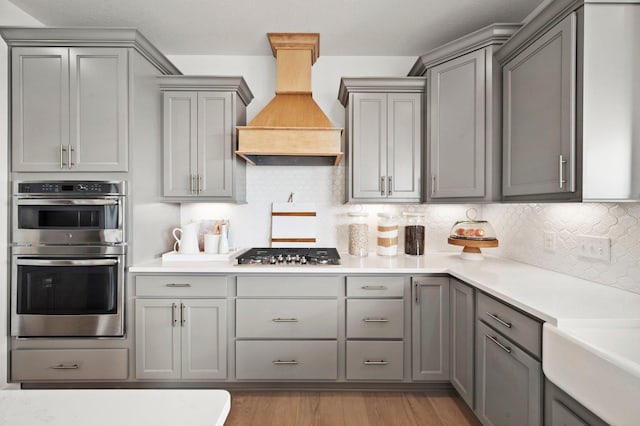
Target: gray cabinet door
[[215, 146], [457, 127], [204, 338], [99, 114], [404, 141], [69, 109], [180, 139], [462, 319], [39, 108], [539, 144], [508, 381], [157, 339], [430, 328], [368, 135], [560, 409]]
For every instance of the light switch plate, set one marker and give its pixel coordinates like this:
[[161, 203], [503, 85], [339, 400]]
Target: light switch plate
[[593, 247]]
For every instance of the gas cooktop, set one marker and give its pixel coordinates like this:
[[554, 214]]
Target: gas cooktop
[[291, 256]]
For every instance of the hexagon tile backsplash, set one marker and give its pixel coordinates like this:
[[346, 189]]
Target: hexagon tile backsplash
[[520, 229]]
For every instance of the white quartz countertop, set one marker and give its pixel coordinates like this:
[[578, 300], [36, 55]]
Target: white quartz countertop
[[551, 296], [109, 407]]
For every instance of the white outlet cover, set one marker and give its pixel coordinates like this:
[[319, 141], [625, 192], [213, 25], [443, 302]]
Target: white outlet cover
[[595, 247]]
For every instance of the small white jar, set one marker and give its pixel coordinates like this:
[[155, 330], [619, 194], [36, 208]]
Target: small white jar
[[358, 234], [387, 244]]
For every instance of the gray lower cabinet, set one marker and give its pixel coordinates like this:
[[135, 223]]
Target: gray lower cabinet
[[430, 328], [462, 320], [199, 119], [69, 109], [539, 140], [508, 370], [384, 138], [181, 338], [561, 409]]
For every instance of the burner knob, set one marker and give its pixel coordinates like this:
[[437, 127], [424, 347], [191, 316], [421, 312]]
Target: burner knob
[[297, 258], [303, 260], [273, 260], [280, 259], [289, 258]]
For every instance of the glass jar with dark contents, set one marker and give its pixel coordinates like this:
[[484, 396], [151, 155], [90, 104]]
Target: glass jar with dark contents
[[414, 233]]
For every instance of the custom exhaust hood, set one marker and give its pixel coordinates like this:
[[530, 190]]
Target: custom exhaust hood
[[291, 129]]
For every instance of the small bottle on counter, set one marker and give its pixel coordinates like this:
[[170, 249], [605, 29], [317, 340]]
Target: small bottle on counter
[[387, 234], [414, 233], [358, 234]]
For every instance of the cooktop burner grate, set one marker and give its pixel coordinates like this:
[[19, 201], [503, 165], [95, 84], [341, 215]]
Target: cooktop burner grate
[[294, 256]]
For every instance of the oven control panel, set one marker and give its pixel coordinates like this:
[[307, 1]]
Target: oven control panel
[[71, 188]]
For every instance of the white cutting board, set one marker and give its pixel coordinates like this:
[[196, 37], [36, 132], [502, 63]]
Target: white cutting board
[[293, 225]]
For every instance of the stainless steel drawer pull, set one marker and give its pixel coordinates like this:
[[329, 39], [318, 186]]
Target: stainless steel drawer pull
[[375, 320], [65, 367], [62, 151], [390, 187], [69, 157], [279, 362], [178, 285], [382, 188], [500, 320], [285, 320], [381, 362], [373, 287], [183, 320], [174, 319], [503, 347]]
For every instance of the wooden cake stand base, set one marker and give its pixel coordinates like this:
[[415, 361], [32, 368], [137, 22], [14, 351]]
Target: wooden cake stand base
[[471, 250]]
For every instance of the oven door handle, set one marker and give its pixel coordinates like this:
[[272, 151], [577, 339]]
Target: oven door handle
[[66, 262], [67, 202]]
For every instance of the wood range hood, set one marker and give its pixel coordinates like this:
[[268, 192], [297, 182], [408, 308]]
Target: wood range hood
[[291, 129]]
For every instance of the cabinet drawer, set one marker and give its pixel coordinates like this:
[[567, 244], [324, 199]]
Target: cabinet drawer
[[374, 360], [287, 360], [383, 319], [68, 364], [181, 286], [375, 286], [286, 318], [278, 286], [520, 328]]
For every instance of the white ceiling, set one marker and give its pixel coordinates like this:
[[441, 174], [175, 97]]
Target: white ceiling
[[239, 27]]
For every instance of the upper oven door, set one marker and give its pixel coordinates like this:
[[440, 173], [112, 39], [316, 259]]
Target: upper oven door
[[66, 221]]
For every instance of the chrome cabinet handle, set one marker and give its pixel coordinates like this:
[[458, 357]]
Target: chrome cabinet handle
[[173, 285], [69, 157], [433, 184], [390, 188], [561, 164], [174, 320], [285, 320], [199, 183], [62, 151], [373, 287], [381, 362], [191, 188], [500, 320], [63, 366], [375, 320], [500, 345], [183, 320], [383, 190], [280, 362]]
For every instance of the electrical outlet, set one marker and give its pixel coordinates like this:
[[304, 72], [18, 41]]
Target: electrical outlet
[[593, 247], [549, 240]]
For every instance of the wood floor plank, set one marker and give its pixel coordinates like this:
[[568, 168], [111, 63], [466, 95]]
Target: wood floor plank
[[330, 408]]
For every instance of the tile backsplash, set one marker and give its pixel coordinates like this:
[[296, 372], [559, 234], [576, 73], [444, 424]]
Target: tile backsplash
[[520, 227]]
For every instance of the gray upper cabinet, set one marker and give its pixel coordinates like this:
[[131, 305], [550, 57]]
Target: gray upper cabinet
[[463, 151], [199, 137], [539, 115], [69, 109], [430, 328], [570, 129], [384, 138]]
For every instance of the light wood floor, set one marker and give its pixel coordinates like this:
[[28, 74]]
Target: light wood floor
[[308, 408]]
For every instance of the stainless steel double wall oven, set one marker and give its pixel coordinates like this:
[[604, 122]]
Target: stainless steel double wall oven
[[68, 258]]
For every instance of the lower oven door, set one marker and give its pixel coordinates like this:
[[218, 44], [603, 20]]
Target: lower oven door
[[79, 296]]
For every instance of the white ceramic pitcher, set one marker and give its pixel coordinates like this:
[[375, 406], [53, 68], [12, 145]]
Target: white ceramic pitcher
[[188, 241]]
